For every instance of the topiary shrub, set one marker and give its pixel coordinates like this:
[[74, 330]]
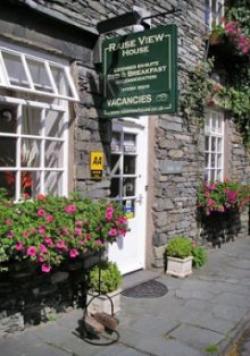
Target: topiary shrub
[[199, 256], [180, 247], [111, 277]]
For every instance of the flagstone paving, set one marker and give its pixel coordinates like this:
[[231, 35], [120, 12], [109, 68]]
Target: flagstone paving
[[201, 313]]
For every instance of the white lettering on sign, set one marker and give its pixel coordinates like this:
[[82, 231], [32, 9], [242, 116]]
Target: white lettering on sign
[[133, 100]]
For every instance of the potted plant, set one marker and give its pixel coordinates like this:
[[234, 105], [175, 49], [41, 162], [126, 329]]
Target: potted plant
[[179, 256], [110, 282]]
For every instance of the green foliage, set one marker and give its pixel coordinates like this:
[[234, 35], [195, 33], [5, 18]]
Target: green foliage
[[212, 348], [111, 278], [180, 247], [49, 230], [199, 256], [241, 13]]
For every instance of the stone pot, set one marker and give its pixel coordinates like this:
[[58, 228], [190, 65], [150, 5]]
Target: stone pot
[[101, 304], [179, 267]]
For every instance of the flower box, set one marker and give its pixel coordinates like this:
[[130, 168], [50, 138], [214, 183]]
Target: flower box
[[101, 304], [179, 267]]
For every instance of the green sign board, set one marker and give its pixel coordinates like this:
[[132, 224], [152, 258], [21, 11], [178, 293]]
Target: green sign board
[[139, 72]]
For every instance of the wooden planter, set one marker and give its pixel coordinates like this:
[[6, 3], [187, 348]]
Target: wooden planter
[[179, 267], [101, 304]]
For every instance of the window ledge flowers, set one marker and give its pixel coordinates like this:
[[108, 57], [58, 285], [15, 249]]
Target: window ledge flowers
[[222, 197], [48, 231]]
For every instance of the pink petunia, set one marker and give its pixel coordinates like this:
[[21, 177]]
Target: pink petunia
[[46, 268], [79, 223], [49, 218], [70, 209], [73, 253], [61, 245], [41, 212], [40, 259], [48, 241], [99, 243], [65, 231], [78, 231], [19, 246], [109, 213], [122, 220], [41, 230], [8, 222], [112, 232], [26, 234], [31, 251], [40, 197], [43, 248]]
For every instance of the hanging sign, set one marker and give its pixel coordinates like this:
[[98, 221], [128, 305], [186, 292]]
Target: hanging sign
[[139, 73], [96, 164]]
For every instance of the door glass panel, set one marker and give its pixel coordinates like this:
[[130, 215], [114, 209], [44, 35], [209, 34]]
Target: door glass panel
[[8, 182], [115, 164], [7, 152], [31, 121], [30, 152], [129, 164], [39, 75], [7, 119], [116, 142], [114, 188], [15, 70], [129, 142], [128, 187]]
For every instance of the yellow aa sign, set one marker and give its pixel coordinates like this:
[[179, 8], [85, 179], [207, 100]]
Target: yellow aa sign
[[96, 161]]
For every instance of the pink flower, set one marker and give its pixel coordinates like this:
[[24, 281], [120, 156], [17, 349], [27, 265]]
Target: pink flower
[[65, 231], [31, 251], [41, 230], [73, 253], [232, 197], [88, 237], [46, 268], [19, 246], [70, 209], [40, 259], [79, 223], [41, 212], [112, 232], [99, 243], [61, 245], [40, 197], [109, 213], [211, 186], [26, 234], [78, 231], [43, 248], [49, 218], [122, 232], [122, 220], [210, 203], [48, 241]]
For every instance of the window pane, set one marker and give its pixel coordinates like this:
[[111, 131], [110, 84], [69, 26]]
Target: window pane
[[206, 160], [213, 160], [115, 164], [129, 164], [212, 175], [15, 70], [30, 183], [219, 145], [7, 119], [53, 183], [213, 144], [39, 75], [219, 175], [53, 154], [129, 143], [219, 161], [54, 124], [128, 187], [7, 152], [8, 181], [31, 121], [114, 188], [61, 81], [30, 152], [206, 143], [206, 175], [220, 125]]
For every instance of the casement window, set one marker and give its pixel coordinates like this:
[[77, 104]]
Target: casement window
[[214, 146], [34, 96], [214, 12]]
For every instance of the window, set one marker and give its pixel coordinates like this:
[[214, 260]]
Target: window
[[214, 12], [30, 74], [214, 146], [33, 131]]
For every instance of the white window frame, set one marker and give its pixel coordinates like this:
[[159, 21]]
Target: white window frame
[[213, 17], [47, 65], [210, 132], [18, 168]]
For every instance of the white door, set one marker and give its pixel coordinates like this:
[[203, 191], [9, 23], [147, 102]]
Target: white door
[[128, 185]]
